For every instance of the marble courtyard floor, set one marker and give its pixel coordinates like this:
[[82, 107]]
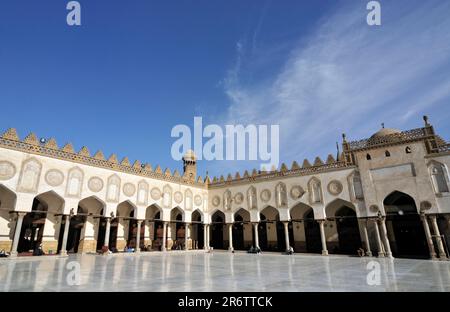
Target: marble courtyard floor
[[220, 271]]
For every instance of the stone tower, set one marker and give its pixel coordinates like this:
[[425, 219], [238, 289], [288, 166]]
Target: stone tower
[[190, 165]]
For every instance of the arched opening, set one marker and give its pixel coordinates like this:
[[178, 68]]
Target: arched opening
[[40, 226], [76, 227], [304, 234], [127, 226], [242, 230], [343, 230], [217, 228], [85, 227], [155, 227], [33, 227], [178, 230], [271, 230], [405, 229], [197, 233], [7, 203]]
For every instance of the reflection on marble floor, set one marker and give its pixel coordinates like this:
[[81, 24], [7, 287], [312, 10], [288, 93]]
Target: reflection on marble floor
[[221, 271]]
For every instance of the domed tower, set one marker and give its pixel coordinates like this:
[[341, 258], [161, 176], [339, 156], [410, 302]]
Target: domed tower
[[190, 165]]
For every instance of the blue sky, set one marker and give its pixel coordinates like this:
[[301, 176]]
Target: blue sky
[[135, 69]]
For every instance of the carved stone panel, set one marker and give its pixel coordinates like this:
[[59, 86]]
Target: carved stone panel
[[155, 193], [239, 198], [54, 177], [198, 200], [74, 182], [142, 196], [178, 197], [7, 170], [113, 189], [30, 175], [129, 189], [95, 184], [335, 187], [265, 195], [297, 192], [216, 201]]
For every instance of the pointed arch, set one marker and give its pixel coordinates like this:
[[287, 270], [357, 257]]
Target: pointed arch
[[188, 200], [142, 193], [30, 175], [439, 176], [167, 196], [332, 208], [315, 191], [406, 233], [252, 198], [113, 188], [281, 195]]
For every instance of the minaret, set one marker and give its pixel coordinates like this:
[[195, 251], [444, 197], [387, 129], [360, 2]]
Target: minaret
[[190, 165]]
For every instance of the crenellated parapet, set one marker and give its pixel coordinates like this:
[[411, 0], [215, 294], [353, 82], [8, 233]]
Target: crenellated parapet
[[49, 148]]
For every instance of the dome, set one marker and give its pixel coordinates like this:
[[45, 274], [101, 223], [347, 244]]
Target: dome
[[384, 132], [190, 155]]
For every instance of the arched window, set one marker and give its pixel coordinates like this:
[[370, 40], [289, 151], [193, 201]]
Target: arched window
[[439, 178], [387, 154], [368, 157]]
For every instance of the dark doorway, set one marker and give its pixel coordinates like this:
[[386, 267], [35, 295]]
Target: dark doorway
[[312, 233], [198, 229], [75, 229], [262, 233], [113, 234], [217, 231], [101, 232], [403, 220], [32, 227], [348, 231], [238, 233]]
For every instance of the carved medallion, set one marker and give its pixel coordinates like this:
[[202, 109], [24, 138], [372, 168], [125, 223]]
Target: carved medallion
[[7, 170], [155, 193], [335, 187], [239, 198], [216, 201], [129, 189], [297, 192], [178, 197], [95, 184], [54, 177], [198, 200], [265, 195]]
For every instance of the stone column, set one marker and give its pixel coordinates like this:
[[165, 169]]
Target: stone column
[[428, 236], [187, 235], [378, 239], [255, 229], [286, 235], [322, 238], [107, 232], [230, 237], [163, 247], [138, 236], [207, 237], [63, 251], [366, 238], [387, 245], [17, 231], [442, 254]]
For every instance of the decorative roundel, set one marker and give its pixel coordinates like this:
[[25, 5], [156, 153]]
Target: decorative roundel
[[425, 205], [265, 195], [216, 201], [239, 198], [54, 177], [335, 187], [129, 189], [198, 200], [297, 192], [178, 197], [374, 208], [7, 170], [155, 193], [95, 184]]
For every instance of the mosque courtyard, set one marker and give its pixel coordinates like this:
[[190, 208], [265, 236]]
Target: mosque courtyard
[[221, 271]]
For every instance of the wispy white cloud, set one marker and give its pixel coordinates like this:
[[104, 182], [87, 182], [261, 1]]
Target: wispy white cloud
[[349, 77]]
